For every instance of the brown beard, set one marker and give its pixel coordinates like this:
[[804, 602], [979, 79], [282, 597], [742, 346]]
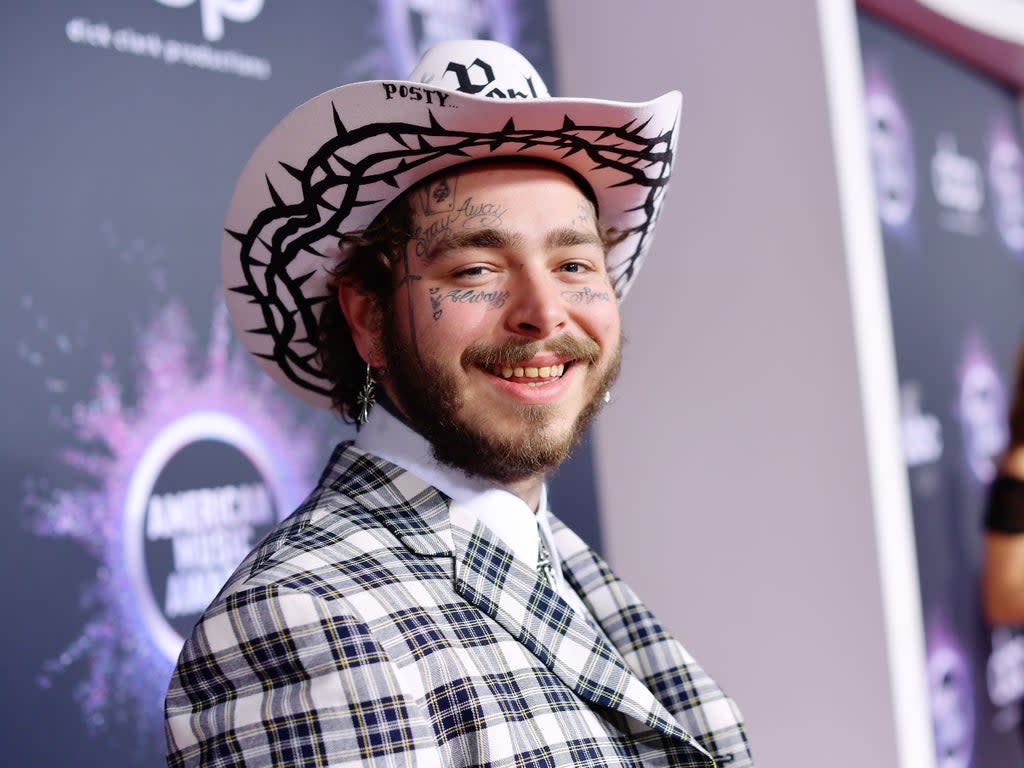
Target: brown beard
[[429, 397]]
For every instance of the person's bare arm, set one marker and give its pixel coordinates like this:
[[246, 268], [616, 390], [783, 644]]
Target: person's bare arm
[[1003, 580]]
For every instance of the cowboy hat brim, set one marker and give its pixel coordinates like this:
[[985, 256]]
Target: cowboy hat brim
[[334, 163]]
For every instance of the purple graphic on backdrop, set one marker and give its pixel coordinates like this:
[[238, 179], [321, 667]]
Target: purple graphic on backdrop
[[951, 696], [981, 410], [186, 480], [412, 26], [1004, 671], [1006, 180], [892, 151]]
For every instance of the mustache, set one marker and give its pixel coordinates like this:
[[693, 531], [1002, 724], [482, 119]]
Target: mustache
[[515, 351]]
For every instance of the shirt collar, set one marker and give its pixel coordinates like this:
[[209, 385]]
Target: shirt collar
[[504, 513]]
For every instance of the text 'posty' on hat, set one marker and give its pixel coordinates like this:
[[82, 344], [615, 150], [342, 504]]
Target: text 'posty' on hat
[[334, 163]]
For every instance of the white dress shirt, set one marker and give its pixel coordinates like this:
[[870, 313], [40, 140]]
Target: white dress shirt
[[504, 513]]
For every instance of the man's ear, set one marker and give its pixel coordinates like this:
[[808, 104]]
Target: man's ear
[[362, 312]]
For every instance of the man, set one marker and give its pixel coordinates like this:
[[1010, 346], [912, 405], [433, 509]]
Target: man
[[441, 259]]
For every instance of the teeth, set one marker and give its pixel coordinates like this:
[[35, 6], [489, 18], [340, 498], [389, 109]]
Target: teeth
[[531, 372]]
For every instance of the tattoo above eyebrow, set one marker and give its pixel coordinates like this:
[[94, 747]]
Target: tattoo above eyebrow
[[585, 215], [438, 196]]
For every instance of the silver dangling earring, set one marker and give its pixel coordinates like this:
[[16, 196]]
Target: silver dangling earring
[[607, 396], [366, 398]]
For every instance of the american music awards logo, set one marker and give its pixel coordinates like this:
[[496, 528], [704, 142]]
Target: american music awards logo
[[981, 410], [204, 491], [951, 694], [892, 151], [183, 483], [1006, 181]]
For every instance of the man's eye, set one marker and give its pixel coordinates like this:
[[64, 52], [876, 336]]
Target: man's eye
[[476, 271], [574, 266]]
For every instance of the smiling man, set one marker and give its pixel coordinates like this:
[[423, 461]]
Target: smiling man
[[505, 308], [446, 272]]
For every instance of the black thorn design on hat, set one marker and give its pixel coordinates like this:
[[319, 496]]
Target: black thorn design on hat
[[293, 171], [273, 192], [338, 125], [636, 131], [303, 278], [344, 163], [313, 213]]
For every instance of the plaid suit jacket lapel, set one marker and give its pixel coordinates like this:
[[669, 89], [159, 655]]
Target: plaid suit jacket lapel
[[681, 686], [488, 577]]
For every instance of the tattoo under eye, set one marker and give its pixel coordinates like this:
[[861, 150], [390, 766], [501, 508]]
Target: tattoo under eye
[[493, 299], [585, 295]]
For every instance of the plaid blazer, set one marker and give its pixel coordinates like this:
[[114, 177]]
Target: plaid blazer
[[372, 628]]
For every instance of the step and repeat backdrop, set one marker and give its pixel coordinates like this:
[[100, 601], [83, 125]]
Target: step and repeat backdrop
[[143, 454], [948, 156]]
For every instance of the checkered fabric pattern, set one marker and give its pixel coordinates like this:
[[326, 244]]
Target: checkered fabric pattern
[[373, 628]]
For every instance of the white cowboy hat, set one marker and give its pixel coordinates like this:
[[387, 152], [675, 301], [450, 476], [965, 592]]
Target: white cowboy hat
[[338, 160]]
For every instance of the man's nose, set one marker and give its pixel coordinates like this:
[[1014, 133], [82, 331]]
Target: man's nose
[[536, 307]]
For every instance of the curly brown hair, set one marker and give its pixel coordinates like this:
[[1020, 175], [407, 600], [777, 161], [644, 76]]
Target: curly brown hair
[[369, 269]]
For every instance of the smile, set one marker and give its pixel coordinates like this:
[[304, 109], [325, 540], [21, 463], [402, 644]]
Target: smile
[[539, 374]]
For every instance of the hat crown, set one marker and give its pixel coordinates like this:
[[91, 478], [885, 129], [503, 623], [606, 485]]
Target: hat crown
[[480, 68]]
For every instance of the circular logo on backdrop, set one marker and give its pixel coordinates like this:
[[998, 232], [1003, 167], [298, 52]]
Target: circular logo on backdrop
[[206, 510], [1006, 178], [892, 155], [202, 495], [982, 413], [952, 705]]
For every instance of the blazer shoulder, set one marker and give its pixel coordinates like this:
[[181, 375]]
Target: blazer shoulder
[[331, 543]]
